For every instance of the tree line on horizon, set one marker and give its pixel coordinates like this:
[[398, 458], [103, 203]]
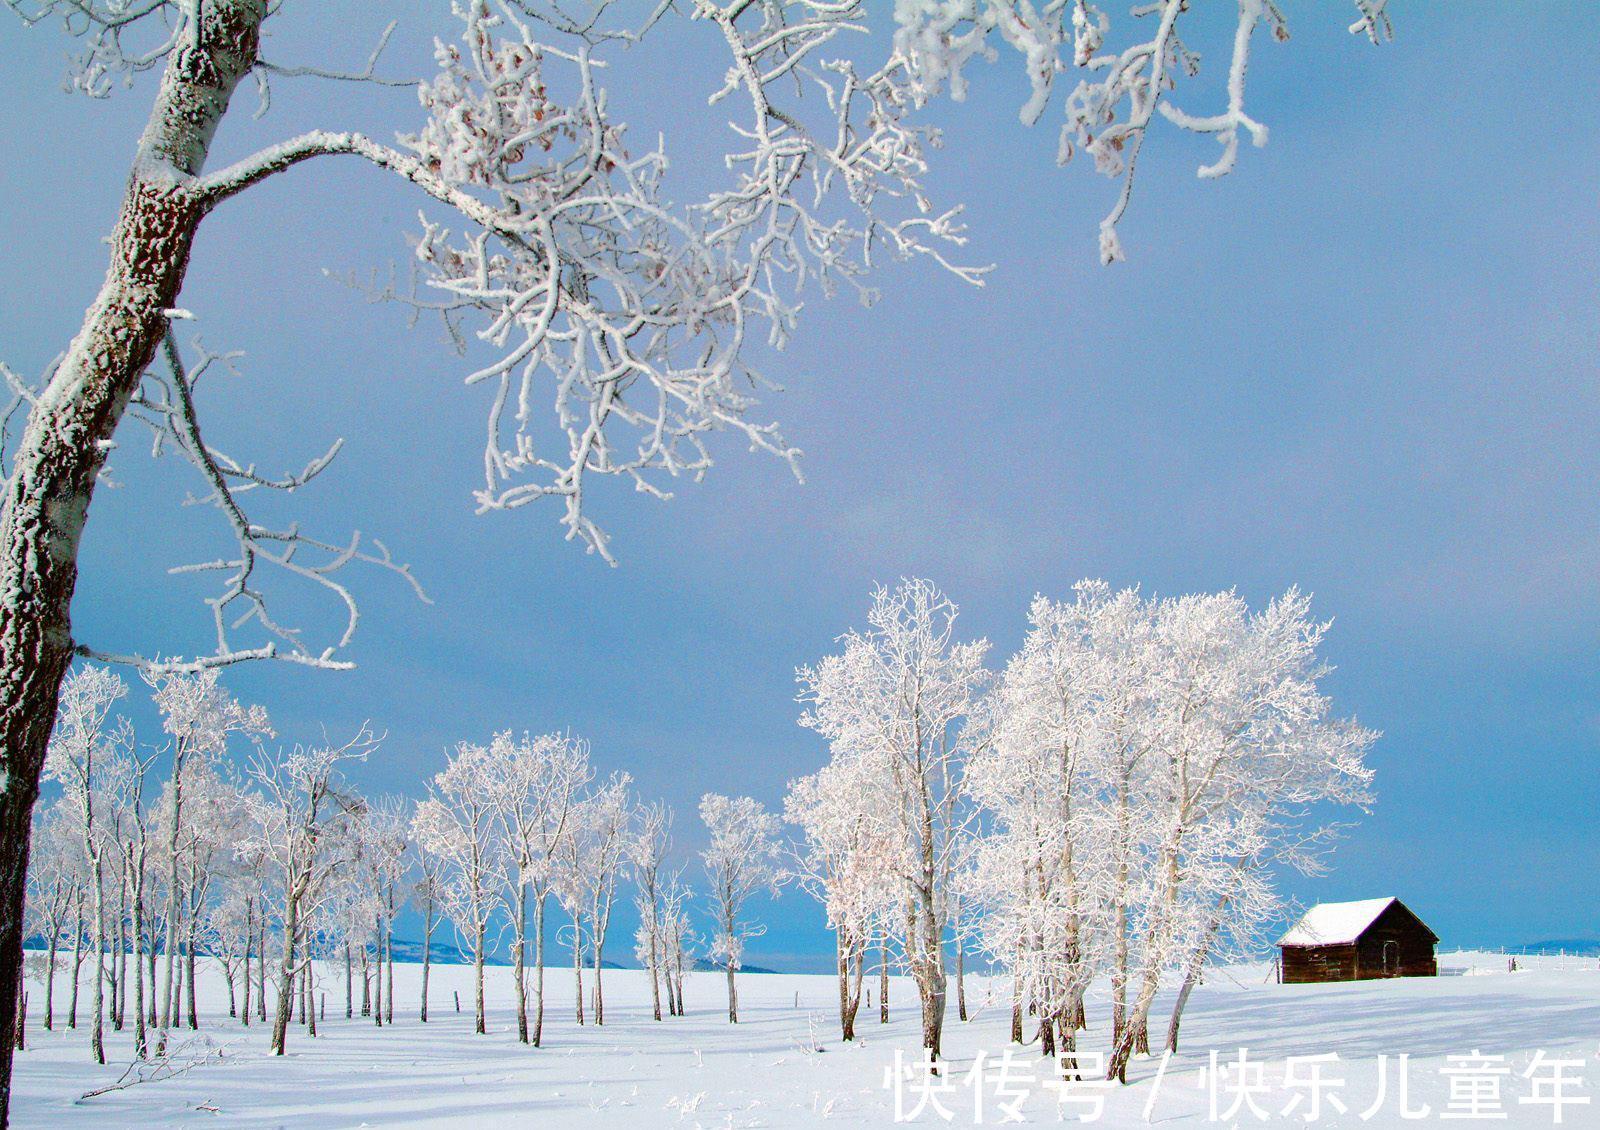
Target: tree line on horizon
[[1114, 802]]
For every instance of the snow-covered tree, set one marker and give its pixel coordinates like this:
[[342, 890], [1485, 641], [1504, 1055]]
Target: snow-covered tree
[[295, 816], [590, 861], [898, 702], [427, 896], [456, 823], [848, 850], [741, 861], [54, 881], [534, 786], [1245, 741], [648, 850], [199, 716], [678, 938], [644, 317], [80, 749]]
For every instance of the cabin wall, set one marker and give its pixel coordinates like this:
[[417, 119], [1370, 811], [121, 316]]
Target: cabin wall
[[1305, 965], [1410, 956]]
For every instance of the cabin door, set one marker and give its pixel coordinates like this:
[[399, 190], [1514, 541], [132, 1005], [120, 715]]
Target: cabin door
[[1391, 959]]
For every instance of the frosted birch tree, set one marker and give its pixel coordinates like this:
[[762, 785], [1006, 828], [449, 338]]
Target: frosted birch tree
[[295, 813], [456, 823], [1241, 725], [847, 852], [54, 880], [642, 319], [534, 785], [899, 700], [80, 750], [648, 850], [742, 860]]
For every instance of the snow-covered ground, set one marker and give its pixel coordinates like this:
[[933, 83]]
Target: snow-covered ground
[[784, 1065]]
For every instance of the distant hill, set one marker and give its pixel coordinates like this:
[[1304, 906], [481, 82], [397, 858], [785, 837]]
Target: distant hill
[[1578, 947], [446, 952], [706, 965]]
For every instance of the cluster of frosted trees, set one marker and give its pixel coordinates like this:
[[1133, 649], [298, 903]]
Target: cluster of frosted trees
[[151, 856], [1111, 805]]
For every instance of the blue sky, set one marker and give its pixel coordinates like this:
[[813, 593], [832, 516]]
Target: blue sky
[[1364, 363]]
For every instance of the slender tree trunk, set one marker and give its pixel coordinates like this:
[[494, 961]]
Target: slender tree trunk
[[349, 985], [479, 1024], [195, 896], [63, 445], [306, 1004], [150, 961], [883, 981], [248, 969], [599, 988], [1192, 971], [377, 974], [77, 959], [427, 955], [261, 968], [538, 970], [388, 988], [733, 996], [961, 982], [519, 947], [655, 987], [112, 971], [140, 1034], [577, 960], [97, 1041], [280, 1018], [50, 987]]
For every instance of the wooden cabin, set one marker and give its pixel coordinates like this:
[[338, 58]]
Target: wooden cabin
[[1358, 941]]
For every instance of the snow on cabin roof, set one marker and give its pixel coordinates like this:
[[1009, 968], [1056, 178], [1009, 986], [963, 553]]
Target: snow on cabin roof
[[1335, 923]]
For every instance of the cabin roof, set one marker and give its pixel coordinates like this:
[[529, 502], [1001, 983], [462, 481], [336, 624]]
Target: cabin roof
[[1336, 923]]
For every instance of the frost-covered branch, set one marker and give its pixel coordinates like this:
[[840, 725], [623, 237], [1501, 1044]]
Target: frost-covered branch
[[166, 404], [1109, 112]]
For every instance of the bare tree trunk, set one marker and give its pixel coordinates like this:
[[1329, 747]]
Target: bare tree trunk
[[733, 997], [519, 973], [306, 1005], [1016, 1000], [1193, 968], [883, 981], [280, 1018], [599, 985], [577, 960], [261, 968], [377, 973], [427, 957], [388, 988], [655, 988], [479, 1024], [194, 925], [97, 1042], [117, 965], [64, 444], [349, 986], [50, 986], [961, 982], [538, 972], [150, 960], [249, 947], [77, 961]]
